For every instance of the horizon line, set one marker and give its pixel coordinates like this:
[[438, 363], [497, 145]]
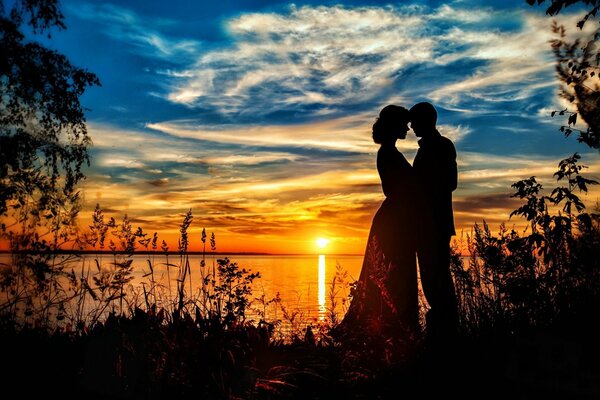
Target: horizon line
[[152, 252]]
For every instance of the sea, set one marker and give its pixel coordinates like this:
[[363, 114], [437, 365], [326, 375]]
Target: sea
[[307, 288]]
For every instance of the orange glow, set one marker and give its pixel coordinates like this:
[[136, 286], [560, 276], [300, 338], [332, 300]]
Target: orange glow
[[285, 208]]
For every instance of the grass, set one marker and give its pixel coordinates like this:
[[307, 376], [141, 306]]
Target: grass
[[528, 305]]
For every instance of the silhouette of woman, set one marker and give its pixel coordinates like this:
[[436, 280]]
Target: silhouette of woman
[[384, 300]]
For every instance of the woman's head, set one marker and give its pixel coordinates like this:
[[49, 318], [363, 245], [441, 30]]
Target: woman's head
[[391, 124]]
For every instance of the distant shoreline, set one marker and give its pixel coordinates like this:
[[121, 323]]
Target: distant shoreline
[[176, 253]]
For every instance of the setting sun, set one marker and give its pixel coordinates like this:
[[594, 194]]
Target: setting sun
[[322, 242]]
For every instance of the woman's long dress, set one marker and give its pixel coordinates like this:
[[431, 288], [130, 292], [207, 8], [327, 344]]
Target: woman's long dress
[[385, 299]]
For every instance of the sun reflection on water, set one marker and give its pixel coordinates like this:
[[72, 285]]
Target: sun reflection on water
[[321, 283]]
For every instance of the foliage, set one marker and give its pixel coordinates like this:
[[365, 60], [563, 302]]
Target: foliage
[[339, 282], [43, 147], [578, 70], [117, 341], [550, 277], [43, 137], [556, 6]]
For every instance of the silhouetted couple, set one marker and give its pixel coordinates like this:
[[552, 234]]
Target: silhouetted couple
[[414, 221]]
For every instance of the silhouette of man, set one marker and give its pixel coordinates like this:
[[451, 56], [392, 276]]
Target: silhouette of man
[[436, 174]]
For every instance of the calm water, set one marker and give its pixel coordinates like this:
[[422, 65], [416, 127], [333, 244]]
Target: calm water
[[303, 282]]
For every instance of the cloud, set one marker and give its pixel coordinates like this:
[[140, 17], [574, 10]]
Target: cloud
[[122, 162], [448, 13], [156, 153], [510, 73], [347, 134], [159, 182], [310, 56], [350, 134], [140, 32], [313, 60], [485, 202], [255, 159], [454, 133]]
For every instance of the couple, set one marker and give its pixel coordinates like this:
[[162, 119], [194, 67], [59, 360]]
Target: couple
[[414, 221]]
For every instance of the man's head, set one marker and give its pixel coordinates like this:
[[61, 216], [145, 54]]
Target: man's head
[[423, 118]]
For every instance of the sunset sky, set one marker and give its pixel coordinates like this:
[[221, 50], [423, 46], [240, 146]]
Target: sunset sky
[[257, 114]]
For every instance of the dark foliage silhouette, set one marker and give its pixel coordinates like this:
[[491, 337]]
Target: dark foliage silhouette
[[43, 136], [43, 148], [112, 340], [578, 70], [548, 278]]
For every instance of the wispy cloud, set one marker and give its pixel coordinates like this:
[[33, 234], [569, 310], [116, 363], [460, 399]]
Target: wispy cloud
[[310, 56], [255, 159], [142, 33], [312, 59], [346, 134], [349, 134]]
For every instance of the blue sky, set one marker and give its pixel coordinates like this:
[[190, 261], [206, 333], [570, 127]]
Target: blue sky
[[257, 114]]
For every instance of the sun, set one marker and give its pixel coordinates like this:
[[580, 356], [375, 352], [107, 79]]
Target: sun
[[322, 242]]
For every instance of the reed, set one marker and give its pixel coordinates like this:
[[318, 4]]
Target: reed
[[152, 341]]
